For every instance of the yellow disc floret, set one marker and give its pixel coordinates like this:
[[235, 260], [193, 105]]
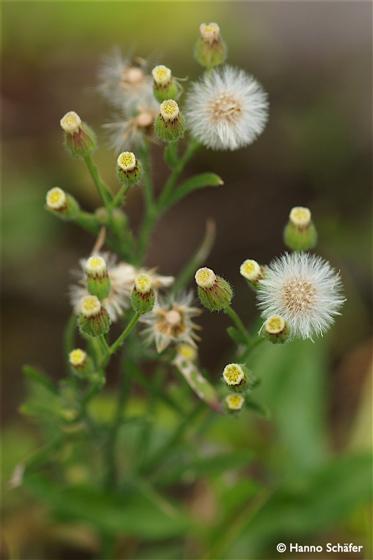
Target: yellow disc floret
[[205, 277], [234, 401], [275, 324], [127, 161], [143, 283], [187, 352], [90, 306], [233, 374], [56, 198], [71, 122], [210, 32], [95, 265], [161, 75], [250, 270], [300, 216], [169, 110], [77, 357]]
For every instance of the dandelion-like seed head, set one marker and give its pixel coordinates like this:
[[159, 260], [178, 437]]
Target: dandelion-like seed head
[[95, 265], [169, 110], [145, 119], [77, 357], [300, 216], [56, 198], [187, 352], [304, 290], [205, 277], [275, 324], [227, 109], [161, 75], [233, 374], [90, 306], [143, 283], [126, 161], [234, 401], [210, 32], [133, 75], [250, 270], [71, 122]]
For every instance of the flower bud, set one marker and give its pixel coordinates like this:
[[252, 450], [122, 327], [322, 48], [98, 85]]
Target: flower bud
[[170, 123], [80, 139], [143, 296], [210, 49], [98, 282], [164, 85], [214, 292], [62, 204], [94, 320], [186, 352], [234, 402], [129, 169], [235, 376], [252, 271], [80, 362], [275, 329], [300, 233]]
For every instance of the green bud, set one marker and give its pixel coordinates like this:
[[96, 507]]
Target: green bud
[[275, 329], [214, 292], [62, 204], [98, 281], [210, 50], [143, 296], [129, 170], [252, 271], [170, 123], [300, 233], [80, 139], [94, 320]]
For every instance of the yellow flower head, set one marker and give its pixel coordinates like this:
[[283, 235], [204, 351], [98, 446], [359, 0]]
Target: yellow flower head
[[71, 122], [169, 110], [210, 32], [161, 75], [143, 283], [300, 216], [233, 374], [275, 324], [187, 352], [250, 270], [234, 401], [77, 357], [56, 198], [205, 277], [95, 265], [127, 161], [90, 306]]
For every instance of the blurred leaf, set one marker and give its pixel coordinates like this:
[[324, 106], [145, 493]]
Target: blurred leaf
[[257, 407], [236, 335], [39, 377], [196, 182]]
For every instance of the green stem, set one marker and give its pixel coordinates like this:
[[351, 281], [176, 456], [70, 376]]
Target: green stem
[[122, 337], [101, 186], [237, 322], [147, 179]]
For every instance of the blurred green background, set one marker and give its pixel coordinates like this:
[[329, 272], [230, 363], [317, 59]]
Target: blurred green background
[[314, 59]]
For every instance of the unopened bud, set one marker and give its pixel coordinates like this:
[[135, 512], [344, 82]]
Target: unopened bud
[[98, 282], [186, 352], [143, 296], [252, 271], [210, 49], [80, 139], [80, 362], [300, 233], [170, 123], [276, 329], [94, 320], [214, 292], [62, 204], [129, 169], [234, 402], [164, 85]]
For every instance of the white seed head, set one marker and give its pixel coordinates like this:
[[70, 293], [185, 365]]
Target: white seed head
[[250, 270], [144, 119], [77, 357], [161, 75], [90, 306], [210, 32], [126, 161], [300, 216], [233, 374], [275, 324], [95, 265], [187, 352], [234, 401], [227, 109], [304, 290], [169, 110], [56, 198], [173, 317], [143, 283], [71, 122], [133, 75], [205, 277]]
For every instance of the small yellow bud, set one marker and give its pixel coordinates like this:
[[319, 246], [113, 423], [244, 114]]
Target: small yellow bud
[[234, 401], [205, 277], [169, 110], [126, 161], [143, 283], [187, 352], [275, 324], [233, 374], [95, 265], [56, 199], [77, 357], [210, 32], [161, 75], [250, 270], [300, 216], [71, 122], [90, 306]]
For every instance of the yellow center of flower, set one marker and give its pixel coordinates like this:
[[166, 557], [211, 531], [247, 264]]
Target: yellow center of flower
[[95, 265], [127, 161], [77, 357], [90, 306], [234, 401], [187, 352], [143, 283], [205, 277], [70, 122], [275, 324], [169, 110], [300, 216], [233, 374], [210, 32], [161, 75], [250, 269], [56, 198]]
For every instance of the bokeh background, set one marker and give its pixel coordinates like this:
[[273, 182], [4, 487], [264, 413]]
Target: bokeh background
[[314, 59]]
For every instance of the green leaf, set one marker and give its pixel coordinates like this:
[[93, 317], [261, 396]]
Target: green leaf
[[257, 407], [36, 376], [196, 182], [236, 335]]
